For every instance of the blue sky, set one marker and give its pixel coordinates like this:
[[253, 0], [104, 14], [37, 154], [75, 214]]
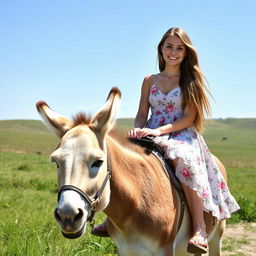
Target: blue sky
[[70, 53]]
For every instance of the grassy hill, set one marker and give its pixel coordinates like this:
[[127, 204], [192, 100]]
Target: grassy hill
[[26, 136], [232, 140]]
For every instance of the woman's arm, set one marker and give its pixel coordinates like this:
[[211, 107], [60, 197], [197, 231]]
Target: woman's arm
[[182, 123], [142, 114]]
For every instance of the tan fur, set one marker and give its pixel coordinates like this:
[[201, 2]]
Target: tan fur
[[145, 191], [221, 167]]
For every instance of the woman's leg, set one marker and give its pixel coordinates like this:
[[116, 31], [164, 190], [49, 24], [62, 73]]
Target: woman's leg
[[195, 205]]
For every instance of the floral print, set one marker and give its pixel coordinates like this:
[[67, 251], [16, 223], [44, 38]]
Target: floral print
[[170, 108], [155, 91], [186, 173], [196, 167], [162, 120], [165, 108]]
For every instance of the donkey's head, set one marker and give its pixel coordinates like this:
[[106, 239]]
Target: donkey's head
[[81, 159]]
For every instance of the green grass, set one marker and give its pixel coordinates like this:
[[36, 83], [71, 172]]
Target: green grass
[[28, 198], [28, 186], [242, 185]]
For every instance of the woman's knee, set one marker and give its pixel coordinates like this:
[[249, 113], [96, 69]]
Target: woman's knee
[[175, 162]]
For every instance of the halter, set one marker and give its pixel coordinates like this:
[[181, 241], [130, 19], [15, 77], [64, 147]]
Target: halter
[[91, 202]]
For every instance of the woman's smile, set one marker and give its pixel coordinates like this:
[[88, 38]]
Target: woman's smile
[[173, 50]]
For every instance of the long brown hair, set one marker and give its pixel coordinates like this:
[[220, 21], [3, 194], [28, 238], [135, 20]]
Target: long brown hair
[[192, 81]]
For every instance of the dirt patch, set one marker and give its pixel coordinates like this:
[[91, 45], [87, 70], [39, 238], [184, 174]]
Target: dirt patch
[[239, 240]]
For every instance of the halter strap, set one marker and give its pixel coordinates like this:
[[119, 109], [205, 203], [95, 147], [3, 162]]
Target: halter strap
[[76, 189]]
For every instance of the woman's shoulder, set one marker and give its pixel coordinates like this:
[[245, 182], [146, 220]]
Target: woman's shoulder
[[149, 80], [147, 84]]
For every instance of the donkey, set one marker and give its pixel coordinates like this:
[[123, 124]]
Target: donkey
[[142, 206]]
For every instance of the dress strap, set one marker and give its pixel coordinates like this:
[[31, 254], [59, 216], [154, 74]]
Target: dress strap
[[155, 78]]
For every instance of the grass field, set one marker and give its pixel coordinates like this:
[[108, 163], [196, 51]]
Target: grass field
[[28, 185]]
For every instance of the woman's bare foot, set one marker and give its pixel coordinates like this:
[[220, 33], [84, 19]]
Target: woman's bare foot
[[198, 243]]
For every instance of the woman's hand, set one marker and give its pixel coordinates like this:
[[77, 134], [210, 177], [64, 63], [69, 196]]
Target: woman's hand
[[140, 133], [134, 133]]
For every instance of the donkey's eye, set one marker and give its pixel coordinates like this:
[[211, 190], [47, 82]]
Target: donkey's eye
[[97, 163], [57, 165]]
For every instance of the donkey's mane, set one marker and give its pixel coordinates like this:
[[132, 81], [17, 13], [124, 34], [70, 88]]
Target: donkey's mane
[[81, 118]]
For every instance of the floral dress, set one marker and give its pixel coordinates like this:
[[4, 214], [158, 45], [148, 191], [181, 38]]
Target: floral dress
[[196, 167]]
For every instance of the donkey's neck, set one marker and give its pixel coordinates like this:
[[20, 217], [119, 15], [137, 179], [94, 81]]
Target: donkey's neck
[[140, 190], [125, 181], [142, 200]]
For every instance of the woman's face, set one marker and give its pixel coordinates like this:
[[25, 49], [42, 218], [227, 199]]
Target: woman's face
[[173, 50]]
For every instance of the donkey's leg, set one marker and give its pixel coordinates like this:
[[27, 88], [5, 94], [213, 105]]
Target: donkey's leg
[[215, 246], [168, 251], [215, 242]]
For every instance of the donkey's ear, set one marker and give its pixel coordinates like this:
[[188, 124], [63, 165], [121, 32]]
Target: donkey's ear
[[55, 122], [104, 119]]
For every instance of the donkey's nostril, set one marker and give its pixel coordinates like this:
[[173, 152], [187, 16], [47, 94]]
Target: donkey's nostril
[[56, 215], [71, 218], [79, 215]]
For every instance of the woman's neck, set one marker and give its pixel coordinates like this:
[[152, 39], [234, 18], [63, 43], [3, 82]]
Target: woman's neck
[[171, 71]]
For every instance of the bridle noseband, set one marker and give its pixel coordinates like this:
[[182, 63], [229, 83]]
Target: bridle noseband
[[91, 202]]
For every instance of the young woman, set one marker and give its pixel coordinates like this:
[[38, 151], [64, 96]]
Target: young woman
[[177, 97]]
